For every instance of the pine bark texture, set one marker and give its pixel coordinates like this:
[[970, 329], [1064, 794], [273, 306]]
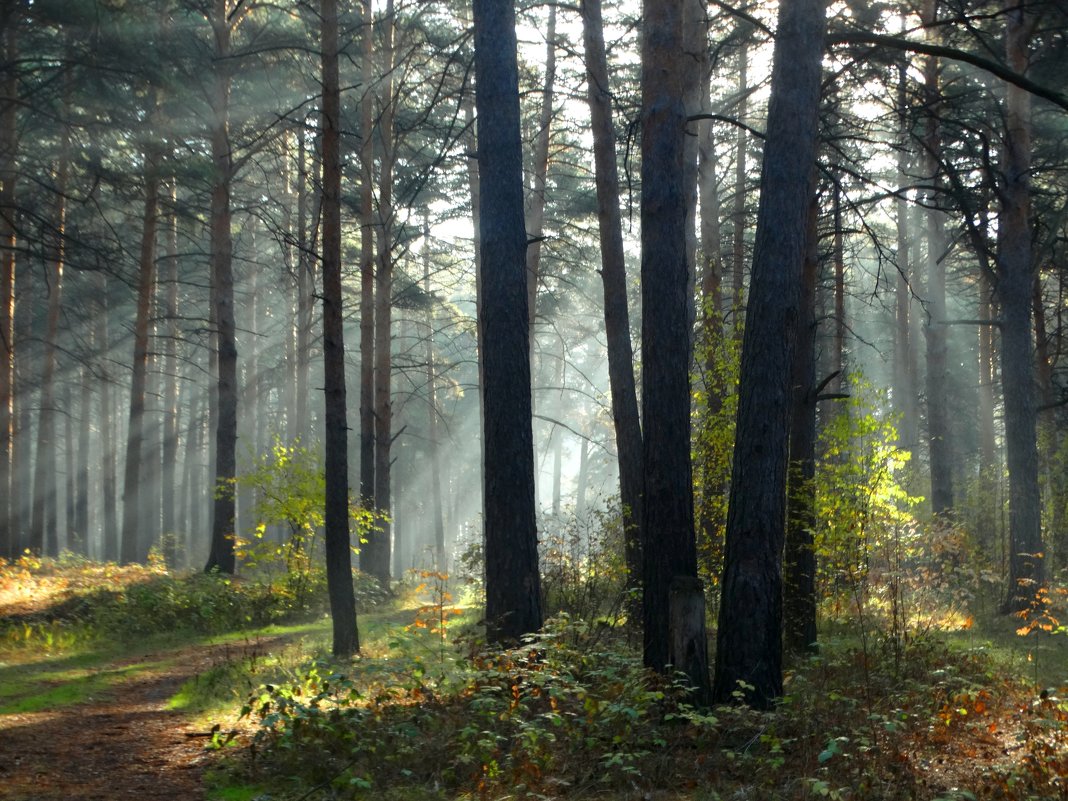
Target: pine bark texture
[[669, 550], [620, 351], [9, 538], [799, 556], [513, 591], [1016, 277], [131, 550], [221, 556], [336, 524], [939, 435], [367, 273], [749, 644]]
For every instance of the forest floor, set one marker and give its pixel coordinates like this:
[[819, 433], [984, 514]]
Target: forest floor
[[120, 738], [101, 720]]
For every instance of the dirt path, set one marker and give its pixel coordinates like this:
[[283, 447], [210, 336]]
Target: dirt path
[[122, 744]]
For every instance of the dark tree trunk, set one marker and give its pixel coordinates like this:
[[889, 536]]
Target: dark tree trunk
[[108, 479], [1016, 278], [132, 524], [513, 585], [614, 279], [367, 277], [904, 346], [170, 387], [338, 546], [938, 425], [80, 528], [221, 556], [799, 558], [9, 141], [376, 559], [43, 533], [738, 206], [437, 509], [749, 644], [535, 217], [669, 550]]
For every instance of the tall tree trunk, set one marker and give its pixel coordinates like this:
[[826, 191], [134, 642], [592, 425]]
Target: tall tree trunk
[[738, 208], [132, 524], [904, 378], [625, 417], [367, 274], [70, 540], [671, 592], [221, 556], [43, 533], [1016, 278], [305, 291], [938, 425], [108, 439], [338, 546], [377, 549], [1048, 433], [170, 385], [535, 217], [513, 584], [437, 510], [9, 141], [839, 293], [988, 453], [749, 645], [799, 557], [80, 528], [712, 258]]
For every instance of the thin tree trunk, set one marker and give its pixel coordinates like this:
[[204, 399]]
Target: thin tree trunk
[[1016, 277], [221, 556], [988, 454], [437, 510], [839, 294], [305, 258], [904, 378], [938, 425], [367, 275], [338, 546], [132, 523], [43, 533], [170, 385], [108, 481], [799, 559], [81, 530], [738, 209], [377, 549], [625, 417], [749, 645], [9, 142], [535, 217]]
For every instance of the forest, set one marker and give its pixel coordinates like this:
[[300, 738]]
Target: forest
[[407, 399]]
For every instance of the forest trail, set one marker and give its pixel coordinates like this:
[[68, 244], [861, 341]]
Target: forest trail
[[122, 741]]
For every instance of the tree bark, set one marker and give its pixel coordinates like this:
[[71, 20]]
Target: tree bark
[[44, 536], [170, 386], [939, 435], [437, 508], [535, 217], [625, 419], [904, 378], [133, 546], [9, 142], [799, 558], [749, 646], [738, 207], [338, 546], [367, 276], [221, 557], [1016, 278], [668, 541], [108, 481], [513, 585], [377, 550]]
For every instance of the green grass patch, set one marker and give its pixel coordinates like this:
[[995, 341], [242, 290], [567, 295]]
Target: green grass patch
[[23, 691]]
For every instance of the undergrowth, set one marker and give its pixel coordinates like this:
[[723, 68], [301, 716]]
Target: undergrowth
[[572, 714]]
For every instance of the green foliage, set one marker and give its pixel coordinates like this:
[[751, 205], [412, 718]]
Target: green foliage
[[715, 409], [583, 571], [289, 484]]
